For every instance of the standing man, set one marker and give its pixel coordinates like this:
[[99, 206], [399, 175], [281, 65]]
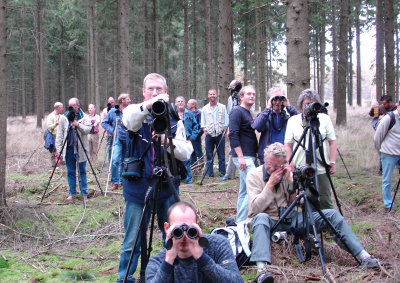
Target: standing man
[[187, 261], [94, 133], [191, 128], [268, 189], [387, 142], [137, 119], [73, 153], [52, 125], [214, 120], [119, 144], [110, 104], [271, 123], [197, 150], [244, 144]]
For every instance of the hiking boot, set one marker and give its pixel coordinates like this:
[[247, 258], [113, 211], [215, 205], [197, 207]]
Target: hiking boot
[[264, 277], [69, 200], [373, 262], [114, 187]]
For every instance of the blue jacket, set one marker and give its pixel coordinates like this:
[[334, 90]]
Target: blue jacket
[[49, 142], [192, 128], [109, 121], [263, 124], [197, 115], [135, 191]]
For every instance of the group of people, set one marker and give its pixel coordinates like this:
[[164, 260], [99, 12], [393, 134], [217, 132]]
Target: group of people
[[263, 189]]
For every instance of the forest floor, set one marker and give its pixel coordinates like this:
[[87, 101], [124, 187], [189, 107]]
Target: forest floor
[[53, 242]]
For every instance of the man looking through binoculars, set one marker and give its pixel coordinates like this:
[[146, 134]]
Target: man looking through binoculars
[[187, 260]]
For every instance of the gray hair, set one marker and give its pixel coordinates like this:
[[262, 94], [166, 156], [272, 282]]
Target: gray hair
[[91, 105], [276, 149], [275, 89], [155, 76], [57, 104], [180, 97], [308, 94], [122, 96]]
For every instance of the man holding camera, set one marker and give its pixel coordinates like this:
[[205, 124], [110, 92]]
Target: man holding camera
[[138, 120], [270, 192], [119, 144], [192, 130], [294, 131], [243, 142], [214, 121], [77, 123], [188, 260], [271, 123]]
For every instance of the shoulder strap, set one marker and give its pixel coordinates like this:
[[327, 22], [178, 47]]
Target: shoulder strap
[[392, 120]]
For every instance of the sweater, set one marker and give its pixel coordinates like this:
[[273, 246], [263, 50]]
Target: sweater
[[388, 142], [217, 264]]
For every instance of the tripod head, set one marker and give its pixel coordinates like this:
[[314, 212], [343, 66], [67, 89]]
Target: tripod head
[[71, 115], [117, 111], [303, 180]]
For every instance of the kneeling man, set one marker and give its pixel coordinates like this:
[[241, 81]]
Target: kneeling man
[[267, 189], [187, 261]]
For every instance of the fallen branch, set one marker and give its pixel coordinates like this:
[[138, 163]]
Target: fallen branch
[[55, 188], [20, 233], [83, 216], [29, 159]]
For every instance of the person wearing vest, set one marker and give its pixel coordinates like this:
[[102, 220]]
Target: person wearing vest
[[214, 120], [387, 142], [268, 188], [137, 120]]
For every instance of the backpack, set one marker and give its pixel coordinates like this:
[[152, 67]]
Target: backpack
[[239, 238], [392, 120]]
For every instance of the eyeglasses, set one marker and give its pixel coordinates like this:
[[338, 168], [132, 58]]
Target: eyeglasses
[[275, 165], [151, 90]]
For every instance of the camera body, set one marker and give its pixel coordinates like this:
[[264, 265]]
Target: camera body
[[235, 91], [71, 114], [311, 110], [161, 112]]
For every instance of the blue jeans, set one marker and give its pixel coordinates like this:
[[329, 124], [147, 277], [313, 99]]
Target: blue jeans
[[133, 212], [388, 165], [243, 202], [262, 224], [197, 151], [70, 162], [188, 170], [116, 162], [211, 143]]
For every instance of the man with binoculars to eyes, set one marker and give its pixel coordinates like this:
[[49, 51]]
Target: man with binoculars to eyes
[[187, 259]]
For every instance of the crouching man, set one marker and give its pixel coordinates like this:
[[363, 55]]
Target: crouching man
[[186, 260], [267, 189]]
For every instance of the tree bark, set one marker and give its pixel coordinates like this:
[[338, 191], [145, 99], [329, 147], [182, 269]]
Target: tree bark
[[334, 55], [389, 47], [350, 80], [322, 58], [397, 61], [380, 70], [358, 52], [225, 48], [23, 94], [208, 53], [62, 71], [342, 66], [39, 66], [156, 63], [123, 38], [194, 32], [3, 104], [146, 40], [246, 45], [260, 51], [186, 72], [298, 58]]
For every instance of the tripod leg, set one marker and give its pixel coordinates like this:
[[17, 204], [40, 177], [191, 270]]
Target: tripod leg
[[348, 174], [395, 193]]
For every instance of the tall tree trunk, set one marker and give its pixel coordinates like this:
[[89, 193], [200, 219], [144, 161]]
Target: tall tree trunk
[[225, 48], [397, 62], [91, 55], [123, 32], [342, 66], [23, 94], [3, 104], [146, 40], [246, 45], [350, 80], [208, 53], [194, 32], [358, 51], [334, 55], [389, 47], [75, 71], [260, 50], [62, 72], [96, 61], [380, 35], [186, 72], [39, 66], [322, 45], [298, 58], [156, 63]]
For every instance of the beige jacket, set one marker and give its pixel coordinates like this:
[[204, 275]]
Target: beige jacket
[[262, 198], [52, 120], [83, 131]]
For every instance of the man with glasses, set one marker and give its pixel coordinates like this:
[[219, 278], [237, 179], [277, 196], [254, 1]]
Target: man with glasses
[[268, 188]]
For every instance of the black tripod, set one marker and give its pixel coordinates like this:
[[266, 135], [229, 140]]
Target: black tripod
[[212, 159], [71, 118], [307, 177], [395, 193]]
